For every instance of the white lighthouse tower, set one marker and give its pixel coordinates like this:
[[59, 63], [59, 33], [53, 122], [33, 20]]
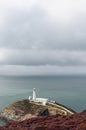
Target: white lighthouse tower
[[44, 101], [34, 94]]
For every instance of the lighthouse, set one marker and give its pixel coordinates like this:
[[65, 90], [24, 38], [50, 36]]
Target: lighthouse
[[34, 94], [44, 101]]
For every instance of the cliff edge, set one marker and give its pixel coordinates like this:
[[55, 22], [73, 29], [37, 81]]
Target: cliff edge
[[55, 122], [25, 109]]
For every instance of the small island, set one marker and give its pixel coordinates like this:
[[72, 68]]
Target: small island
[[33, 107]]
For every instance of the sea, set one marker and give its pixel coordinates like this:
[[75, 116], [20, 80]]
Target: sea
[[69, 90]]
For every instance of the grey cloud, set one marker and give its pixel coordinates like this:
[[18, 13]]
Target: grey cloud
[[34, 38], [35, 28], [42, 57], [23, 29], [41, 70]]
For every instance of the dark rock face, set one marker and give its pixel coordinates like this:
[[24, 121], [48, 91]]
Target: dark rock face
[[56, 122], [44, 113]]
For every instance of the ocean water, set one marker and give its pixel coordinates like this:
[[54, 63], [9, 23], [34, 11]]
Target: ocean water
[[67, 90]]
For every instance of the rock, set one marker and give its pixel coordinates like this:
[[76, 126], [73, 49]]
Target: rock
[[28, 116], [24, 109], [44, 113]]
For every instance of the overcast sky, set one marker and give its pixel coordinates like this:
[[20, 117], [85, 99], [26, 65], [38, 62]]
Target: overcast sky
[[42, 37]]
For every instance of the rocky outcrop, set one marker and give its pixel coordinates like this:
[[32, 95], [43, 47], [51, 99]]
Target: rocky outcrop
[[20, 109], [25, 109], [55, 122], [44, 113]]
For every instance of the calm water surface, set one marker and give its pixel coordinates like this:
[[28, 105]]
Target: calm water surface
[[67, 90]]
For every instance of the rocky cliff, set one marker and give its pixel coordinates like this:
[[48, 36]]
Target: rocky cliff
[[25, 109], [55, 122]]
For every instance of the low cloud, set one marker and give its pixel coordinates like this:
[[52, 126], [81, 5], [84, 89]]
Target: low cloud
[[42, 57], [46, 33]]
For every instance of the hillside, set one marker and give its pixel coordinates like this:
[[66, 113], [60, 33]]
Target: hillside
[[24, 109], [56, 122]]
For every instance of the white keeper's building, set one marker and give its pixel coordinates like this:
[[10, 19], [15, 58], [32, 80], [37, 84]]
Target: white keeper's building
[[44, 101]]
